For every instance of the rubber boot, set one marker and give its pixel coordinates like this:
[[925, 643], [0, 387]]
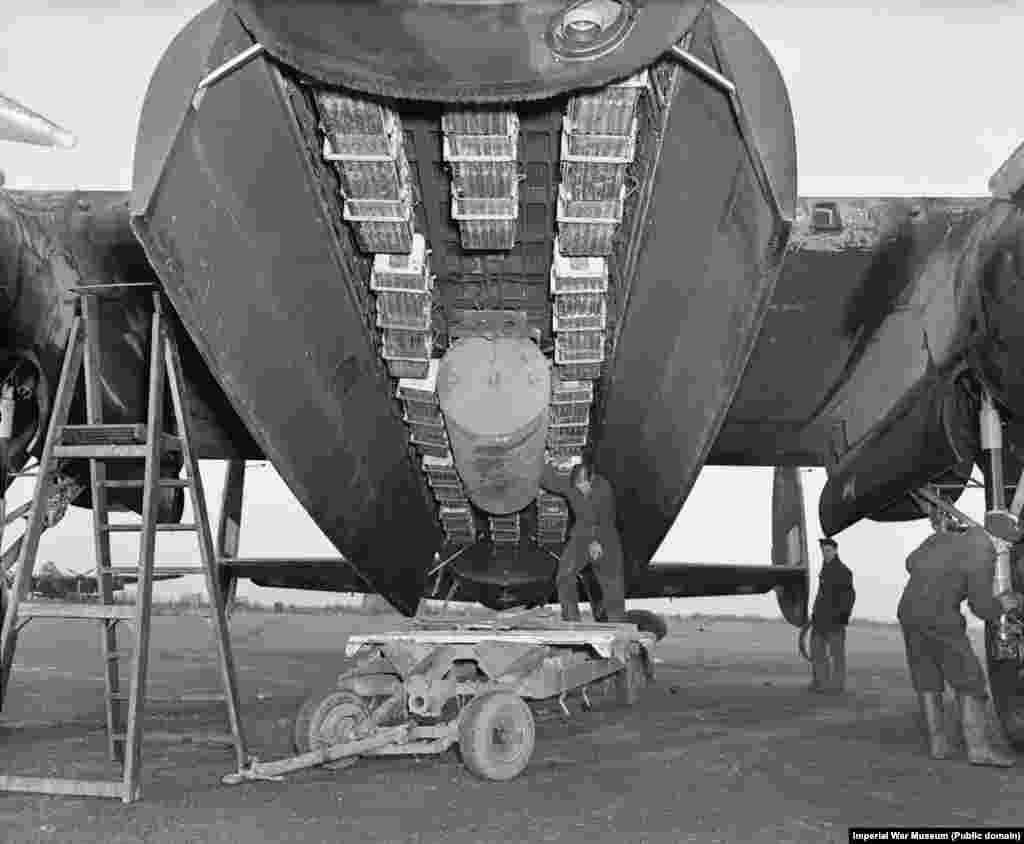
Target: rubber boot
[[567, 587], [939, 745], [975, 723]]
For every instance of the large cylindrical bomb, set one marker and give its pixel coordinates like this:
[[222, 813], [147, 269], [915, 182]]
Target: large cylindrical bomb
[[494, 395]]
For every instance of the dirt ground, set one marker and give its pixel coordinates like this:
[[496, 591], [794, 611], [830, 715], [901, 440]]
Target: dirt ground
[[725, 747]]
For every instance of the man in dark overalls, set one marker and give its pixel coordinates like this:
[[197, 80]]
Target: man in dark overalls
[[950, 566], [594, 540], [829, 618]]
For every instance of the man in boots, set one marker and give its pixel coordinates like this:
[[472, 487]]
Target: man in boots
[[949, 566], [594, 540], [829, 619]]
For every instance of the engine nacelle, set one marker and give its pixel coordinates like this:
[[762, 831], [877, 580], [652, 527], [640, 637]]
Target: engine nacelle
[[932, 430]]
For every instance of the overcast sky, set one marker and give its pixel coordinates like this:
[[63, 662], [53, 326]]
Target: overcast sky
[[911, 97]]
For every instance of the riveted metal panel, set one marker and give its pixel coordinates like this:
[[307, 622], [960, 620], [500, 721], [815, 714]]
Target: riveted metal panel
[[275, 298]]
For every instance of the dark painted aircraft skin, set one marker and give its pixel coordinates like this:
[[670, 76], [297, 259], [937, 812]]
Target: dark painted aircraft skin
[[864, 352], [318, 401]]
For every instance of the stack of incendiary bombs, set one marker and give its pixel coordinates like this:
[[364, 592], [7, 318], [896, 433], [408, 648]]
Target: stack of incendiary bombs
[[428, 434], [504, 529], [481, 147], [599, 132], [364, 142]]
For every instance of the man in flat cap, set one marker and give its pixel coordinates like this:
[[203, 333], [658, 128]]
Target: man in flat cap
[[829, 618]]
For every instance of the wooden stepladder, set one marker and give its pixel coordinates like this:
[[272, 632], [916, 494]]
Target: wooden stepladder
[[100, 443]]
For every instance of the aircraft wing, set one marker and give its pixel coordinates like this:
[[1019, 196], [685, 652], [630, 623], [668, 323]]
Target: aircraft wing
[[127, 574], [842, 312], [69, 584], [687, 580], [892, 318]]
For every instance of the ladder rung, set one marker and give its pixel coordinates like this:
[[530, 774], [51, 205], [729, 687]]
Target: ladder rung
[[128, 528], [65, 609], [205, 698], [195, 737], [53, 785], [134, 434], [101, 452], [114, 451], [114, 656], [139, 483]]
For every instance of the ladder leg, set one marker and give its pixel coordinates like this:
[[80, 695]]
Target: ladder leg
[[202, 520], [147, 546], [229, 528], [101, 536], [36, 520]]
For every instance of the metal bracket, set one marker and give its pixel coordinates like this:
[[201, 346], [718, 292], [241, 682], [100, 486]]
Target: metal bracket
[[225, 69], [442, 565], [491, 324], [705, 70], [931, 497], [746, 132]]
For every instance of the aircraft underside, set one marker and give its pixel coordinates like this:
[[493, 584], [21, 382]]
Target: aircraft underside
[[454, 290], [415, 250], [655, 337]]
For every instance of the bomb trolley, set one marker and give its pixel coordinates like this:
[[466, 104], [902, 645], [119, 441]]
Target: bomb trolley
[[441, 683]]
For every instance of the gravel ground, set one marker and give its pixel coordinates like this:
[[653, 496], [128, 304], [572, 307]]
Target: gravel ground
[[725, 747]]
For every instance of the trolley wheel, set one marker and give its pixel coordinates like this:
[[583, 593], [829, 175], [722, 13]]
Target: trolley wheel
[[648, 622], [496, 735], [631, 680], [328, 718]]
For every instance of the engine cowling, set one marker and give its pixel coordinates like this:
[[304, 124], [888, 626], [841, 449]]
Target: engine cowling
[[932, 430]]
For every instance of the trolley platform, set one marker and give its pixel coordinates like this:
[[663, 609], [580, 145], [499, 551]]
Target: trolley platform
[[448, 681]]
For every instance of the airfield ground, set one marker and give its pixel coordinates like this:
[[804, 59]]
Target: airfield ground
[[725, 747]]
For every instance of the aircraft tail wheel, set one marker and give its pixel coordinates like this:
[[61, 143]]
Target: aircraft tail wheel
[[496, 735], [328, 718], [631, 680], [801, 641], [648, 622]]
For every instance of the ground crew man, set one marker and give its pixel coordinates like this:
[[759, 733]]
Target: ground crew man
[[593, 541], [829, 618], [949, 566]]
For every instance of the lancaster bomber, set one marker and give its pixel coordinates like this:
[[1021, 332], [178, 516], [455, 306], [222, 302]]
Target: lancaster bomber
[[415, 250]]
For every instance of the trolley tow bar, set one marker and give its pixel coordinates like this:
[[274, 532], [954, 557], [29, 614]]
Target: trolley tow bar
[[273, 771]]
